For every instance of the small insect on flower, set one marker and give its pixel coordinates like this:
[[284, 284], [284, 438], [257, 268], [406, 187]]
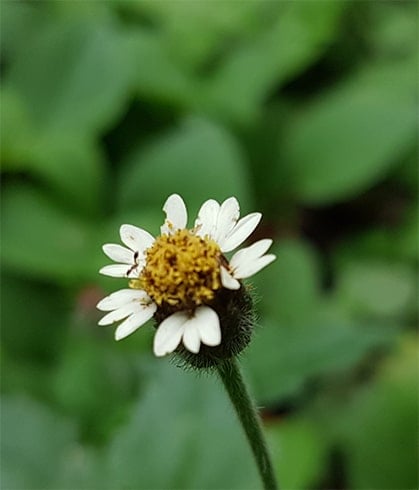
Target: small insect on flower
[[183, 279]]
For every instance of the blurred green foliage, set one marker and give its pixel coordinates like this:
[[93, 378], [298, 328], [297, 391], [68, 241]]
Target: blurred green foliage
[[304, 110]]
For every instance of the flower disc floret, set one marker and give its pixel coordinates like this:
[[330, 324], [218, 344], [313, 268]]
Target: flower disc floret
[[181, 270]]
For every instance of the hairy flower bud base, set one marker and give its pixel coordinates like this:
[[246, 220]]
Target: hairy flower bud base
[[237, 318]]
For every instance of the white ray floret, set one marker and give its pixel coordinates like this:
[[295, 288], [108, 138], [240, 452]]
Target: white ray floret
[[227, 218], [115, 270], [246, 262], [133, 305], [227, 279], [118, 253], [206, 222], [176, 215], [130, 260], [136, 238], [222, 224], [135, 321], [241, 231], [202, 327], [121, 298], [250, 260]]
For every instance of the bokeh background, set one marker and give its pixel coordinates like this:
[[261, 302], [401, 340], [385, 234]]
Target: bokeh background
[[305, 110]]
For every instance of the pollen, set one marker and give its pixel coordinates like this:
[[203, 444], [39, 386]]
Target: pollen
[[181, 270]]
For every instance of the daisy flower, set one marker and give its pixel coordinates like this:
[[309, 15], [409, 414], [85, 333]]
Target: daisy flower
[[179, 276]]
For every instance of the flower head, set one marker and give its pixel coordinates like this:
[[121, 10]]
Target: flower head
[[182, 278]]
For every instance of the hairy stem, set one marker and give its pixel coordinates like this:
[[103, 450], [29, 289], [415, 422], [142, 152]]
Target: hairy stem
[[229, 372]]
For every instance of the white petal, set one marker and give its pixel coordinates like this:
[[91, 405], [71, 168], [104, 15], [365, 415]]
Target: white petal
[[208, 324], [260, 247], [249, 254], [120, 298], [135, 270], [247, 269], [135, 321], [120, 313], [206, 221], [227, 280], [227, 218], [136, 238], [191, 339], [240, 232], [118, 253], [134, 273], [169, 333], [176, 214], [115, 270]]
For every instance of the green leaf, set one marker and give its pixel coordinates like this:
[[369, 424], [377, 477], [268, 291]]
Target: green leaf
[[182, 435], [160, 77], [193, 32], [299, 453], [380, 434], [40, 449], [34, 318], [198, 160], [305, 335], [70, 164], [289, 288], [282, 359], [74, 75], [350, 137], [247, 75], [25, 377], [16, 130], [385, 244], [393, 28], [74, 171], [18, 23], [407, 238], [376, 288], [94, 383], [42, 240]]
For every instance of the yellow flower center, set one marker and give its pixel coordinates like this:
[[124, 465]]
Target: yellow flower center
[[181, 270]]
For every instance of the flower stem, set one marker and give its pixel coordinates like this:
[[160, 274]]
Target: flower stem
[[229, 372]]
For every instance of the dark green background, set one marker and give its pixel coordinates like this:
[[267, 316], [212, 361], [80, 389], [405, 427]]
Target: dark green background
[[304, 110]]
